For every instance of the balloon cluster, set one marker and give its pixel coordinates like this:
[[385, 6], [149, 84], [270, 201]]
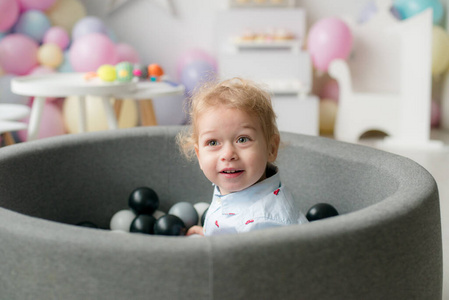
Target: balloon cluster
[[35, 40], [144, 217], [126, 71], [48, 36]]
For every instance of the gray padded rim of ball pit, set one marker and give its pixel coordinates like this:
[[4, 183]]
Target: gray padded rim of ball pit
[[386, 244]]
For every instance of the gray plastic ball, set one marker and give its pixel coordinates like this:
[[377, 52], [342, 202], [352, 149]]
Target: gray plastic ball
[[186, 212]]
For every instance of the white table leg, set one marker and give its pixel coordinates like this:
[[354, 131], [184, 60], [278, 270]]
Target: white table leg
[[82, 120], [110, 115], [35, 118]]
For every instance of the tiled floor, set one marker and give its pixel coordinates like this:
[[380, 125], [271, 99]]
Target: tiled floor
[[436, 161]]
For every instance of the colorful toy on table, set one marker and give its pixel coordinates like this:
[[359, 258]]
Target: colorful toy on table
[[155, 72], [107, 73], [125, 71], [140, 71]]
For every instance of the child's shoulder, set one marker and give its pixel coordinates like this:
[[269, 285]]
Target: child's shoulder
[[279, 205]]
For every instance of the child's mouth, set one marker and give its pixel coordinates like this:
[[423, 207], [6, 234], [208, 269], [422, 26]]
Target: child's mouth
[[231, 173]]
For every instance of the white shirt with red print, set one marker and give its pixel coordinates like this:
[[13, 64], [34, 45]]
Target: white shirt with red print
[[263, 205]]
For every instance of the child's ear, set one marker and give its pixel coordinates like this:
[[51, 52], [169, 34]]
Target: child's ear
[[273, 148]]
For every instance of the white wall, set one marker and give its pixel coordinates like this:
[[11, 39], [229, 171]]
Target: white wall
[[161, 36]]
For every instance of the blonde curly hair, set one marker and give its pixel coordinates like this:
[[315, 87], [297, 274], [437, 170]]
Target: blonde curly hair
[[237, 93]]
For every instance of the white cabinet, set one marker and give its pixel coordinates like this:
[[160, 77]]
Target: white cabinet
[[265, 45]]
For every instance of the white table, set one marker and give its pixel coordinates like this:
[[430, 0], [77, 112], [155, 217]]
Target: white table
[[13, 112], [63, 85], [74, 84], [144, 93]]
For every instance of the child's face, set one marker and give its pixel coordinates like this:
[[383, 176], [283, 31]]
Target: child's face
[[231, 148]]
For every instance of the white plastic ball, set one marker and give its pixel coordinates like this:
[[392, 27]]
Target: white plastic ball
[[158, 213], [195, 235], [122, 220], [200, 209]]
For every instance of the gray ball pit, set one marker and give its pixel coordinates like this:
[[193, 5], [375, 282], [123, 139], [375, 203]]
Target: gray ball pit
[[386, 244]]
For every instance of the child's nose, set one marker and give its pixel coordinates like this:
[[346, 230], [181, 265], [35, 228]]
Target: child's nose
[[228, 153]]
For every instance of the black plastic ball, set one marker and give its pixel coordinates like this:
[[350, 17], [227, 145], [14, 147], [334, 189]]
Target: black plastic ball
[[143, 224], [170, 225], [203, 217], [143, 201], [87, 224], [321, 211]]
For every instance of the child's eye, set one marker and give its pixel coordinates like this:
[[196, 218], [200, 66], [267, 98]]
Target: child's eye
[[212, 143], [242, 139]]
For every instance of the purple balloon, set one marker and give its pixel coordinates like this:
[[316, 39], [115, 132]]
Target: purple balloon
[[368, 11], [195, 73], [192, 56], [88, 25]]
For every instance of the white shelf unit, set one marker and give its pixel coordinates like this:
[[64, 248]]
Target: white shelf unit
[[281, 65], [245, 4]]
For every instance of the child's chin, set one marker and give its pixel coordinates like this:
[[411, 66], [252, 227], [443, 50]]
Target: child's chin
[[233, 189]]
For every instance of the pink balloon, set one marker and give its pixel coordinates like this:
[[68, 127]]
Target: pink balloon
[[9, 12], [88, 25], [192, 56], [33, 4], [18, 54], [41, 70], [90, 51], [58, 36], [52, 123], [329, 39], [330, 90], [127, 53]]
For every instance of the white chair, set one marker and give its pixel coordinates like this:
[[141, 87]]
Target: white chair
[[386, 83], [10, 116]]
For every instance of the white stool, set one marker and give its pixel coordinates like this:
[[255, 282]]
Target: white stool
[[10, 115], [11, 112], [6, 127]]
